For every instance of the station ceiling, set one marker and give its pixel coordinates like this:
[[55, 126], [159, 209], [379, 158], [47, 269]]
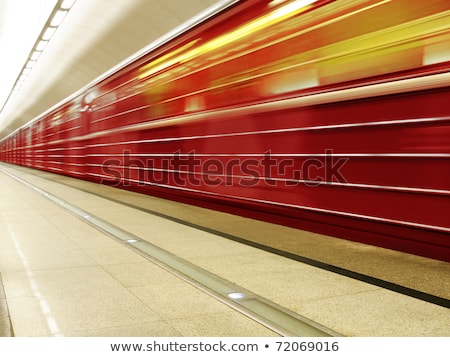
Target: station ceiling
[[94, 36]]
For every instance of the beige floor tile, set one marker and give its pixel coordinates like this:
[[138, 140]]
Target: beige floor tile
[[29, 320], [9, 261], [92, 240], [150, 329], [40, 240], [113, 255], [283, 281], [141, 274], [162, 230], [69, 280], [34, 256], [5, 327], [230, 324], [82, 234], [379, 313], [170, 235], [57, 259], [5, 324], [3, 308], [63, 313], [211, 246], [77, 297], [178, 300], [23, 223]]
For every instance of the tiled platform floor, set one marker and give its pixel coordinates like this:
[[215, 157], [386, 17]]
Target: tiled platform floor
[[63, 277]]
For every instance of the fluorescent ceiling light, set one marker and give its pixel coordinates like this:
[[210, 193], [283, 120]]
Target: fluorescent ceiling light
[[35, 55], [18, 33], [67, 4], [58, 18], [30, 64], [41, 45], [48, 33]]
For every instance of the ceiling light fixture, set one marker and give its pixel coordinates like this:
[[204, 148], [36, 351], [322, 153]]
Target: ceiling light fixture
[[67, 4], [30, 64], [48, 34], [41, 45], [35, 56], [55, 19], [58, 18]]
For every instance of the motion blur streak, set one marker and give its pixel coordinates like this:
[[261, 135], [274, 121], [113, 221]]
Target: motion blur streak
[[328, 116]]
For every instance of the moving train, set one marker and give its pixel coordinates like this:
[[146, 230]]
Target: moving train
[[328, 116]]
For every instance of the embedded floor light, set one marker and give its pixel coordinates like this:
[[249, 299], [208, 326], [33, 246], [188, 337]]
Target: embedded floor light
[[236, 296]]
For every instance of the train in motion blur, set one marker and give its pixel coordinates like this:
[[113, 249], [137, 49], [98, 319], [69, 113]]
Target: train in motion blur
[[328, 116]]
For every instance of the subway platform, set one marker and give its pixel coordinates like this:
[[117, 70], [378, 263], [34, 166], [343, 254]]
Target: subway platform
[[81, 259]]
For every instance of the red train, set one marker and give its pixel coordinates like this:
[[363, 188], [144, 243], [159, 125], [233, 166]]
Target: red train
[[329, 116]]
